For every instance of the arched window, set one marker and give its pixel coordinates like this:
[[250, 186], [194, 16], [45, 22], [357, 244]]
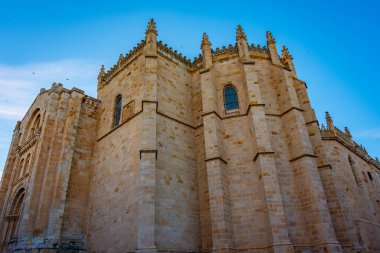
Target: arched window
[[231, 101], [36, 124], [117, 112], [13, 216]]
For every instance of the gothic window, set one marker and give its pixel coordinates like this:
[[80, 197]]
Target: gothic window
[[230, 98], [117, 111]]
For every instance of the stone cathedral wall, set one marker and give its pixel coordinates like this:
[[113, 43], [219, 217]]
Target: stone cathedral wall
[[115, 182], [177, 200], [180, 173]]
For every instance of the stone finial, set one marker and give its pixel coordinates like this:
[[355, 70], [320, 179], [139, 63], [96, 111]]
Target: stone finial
[[271, 43], [121, 58], [285, 54], [240, 34], [101, 73], [270, 39], [205, 41], [151, 27], [329, 121], [347, 132], [377, 159]]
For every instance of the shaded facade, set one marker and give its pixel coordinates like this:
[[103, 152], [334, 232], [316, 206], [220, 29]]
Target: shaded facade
[[220, 154]]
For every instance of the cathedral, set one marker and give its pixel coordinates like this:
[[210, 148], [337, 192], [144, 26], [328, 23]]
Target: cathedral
[[220, 154]]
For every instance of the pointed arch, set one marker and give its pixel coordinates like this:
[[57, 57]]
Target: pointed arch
[[231, 101], [117, 111]]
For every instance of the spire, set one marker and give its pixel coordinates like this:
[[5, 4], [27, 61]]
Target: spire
[[240, 34], [288, 60], [206, 51], [329, 121], [286, 55], [151, 39], [101, 78], [270, 39], [271, 43], [205, 41], [151, 27], [101, 73], [241, 41], [347, 132]]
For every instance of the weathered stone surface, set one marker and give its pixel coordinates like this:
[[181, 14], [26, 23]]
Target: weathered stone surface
[[181, 173]]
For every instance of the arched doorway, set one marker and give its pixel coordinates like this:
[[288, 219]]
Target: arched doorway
[[13, 216]]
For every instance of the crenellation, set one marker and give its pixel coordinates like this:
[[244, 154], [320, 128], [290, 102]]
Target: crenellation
[[222, 153]]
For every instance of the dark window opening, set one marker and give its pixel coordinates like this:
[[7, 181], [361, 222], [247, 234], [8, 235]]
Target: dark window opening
[[117, 113], [230, 98], [369, 175]]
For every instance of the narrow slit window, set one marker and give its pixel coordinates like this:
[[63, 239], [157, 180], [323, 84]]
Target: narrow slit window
[[117, 113]]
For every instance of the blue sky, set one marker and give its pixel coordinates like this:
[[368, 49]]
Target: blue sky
[[334, 45]]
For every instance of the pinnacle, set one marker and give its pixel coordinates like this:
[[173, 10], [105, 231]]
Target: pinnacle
[[205, 40], [240, 34], [270, 38], [101, 72], [151, 27], [285, 53]]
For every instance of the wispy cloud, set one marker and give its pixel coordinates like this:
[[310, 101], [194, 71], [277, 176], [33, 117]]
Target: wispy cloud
[[20, 84], [371, 133]]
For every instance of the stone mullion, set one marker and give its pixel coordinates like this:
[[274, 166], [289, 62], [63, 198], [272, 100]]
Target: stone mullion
[[265, 161], [308, 183], [220, 206]]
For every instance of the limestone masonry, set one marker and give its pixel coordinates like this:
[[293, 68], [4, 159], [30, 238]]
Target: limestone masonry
[[220, 154]]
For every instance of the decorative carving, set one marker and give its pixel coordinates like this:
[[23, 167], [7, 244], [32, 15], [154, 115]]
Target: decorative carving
[[240, 34], [258, 49], [120, 61], [105, 77], [286, 56], [173, 53], [151, 27], [205, 41], [329, 121], [270, 38], [347, 132], [29, 143], [224, 50]]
